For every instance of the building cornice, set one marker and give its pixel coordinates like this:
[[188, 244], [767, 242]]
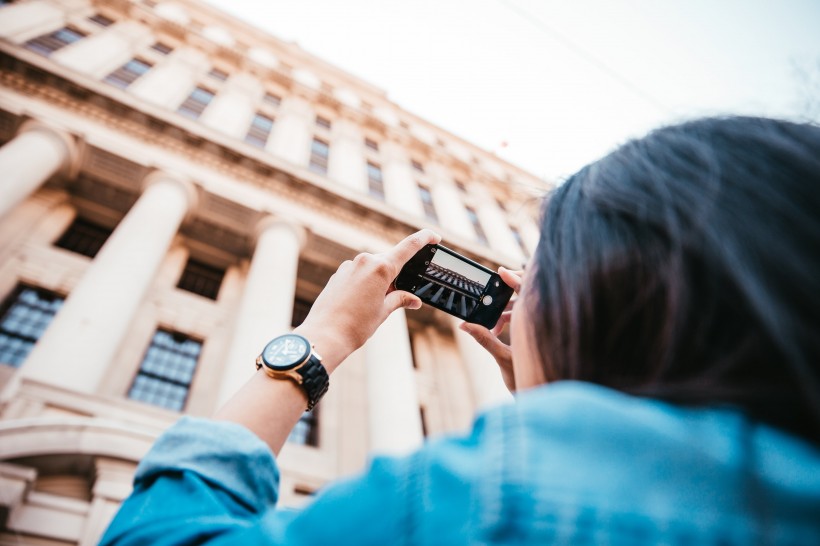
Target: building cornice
[[34, 76]]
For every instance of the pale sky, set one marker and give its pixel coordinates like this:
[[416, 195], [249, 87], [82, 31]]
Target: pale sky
[[566, 80]]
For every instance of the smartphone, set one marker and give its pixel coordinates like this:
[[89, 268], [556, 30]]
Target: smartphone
[[455, 284]]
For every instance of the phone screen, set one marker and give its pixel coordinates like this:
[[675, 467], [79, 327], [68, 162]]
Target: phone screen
[[453, 283]]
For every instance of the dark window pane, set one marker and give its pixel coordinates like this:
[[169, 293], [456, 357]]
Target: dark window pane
[[84, 237], [128, 73], [259, 130], [271, 99], [323, 122], [165, 375], [375, 181], [218, 74], [519, 240], [417, 166], [306, 431], [479, 231], [49, 43], [162, 48], [372, 144], [101, 20], [319, 152], [301, 308], [24, 316], [461, 187], [201, 279], [427, 203], [196, 102]]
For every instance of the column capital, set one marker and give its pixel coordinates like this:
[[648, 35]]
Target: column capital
[[188, 188], [70, 165], [270, 222]]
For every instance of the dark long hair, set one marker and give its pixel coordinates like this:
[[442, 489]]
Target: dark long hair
[[685, 266]]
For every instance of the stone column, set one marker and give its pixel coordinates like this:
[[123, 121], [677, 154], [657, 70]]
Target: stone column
[[347, 163], [293, 131], [170, 82], [22, 21], [400, 186], [530, 233], [485, 378], [29, 160], [101, 53], [79, 345], [232, 109], [448, 201], [266, 307], [394, 417]]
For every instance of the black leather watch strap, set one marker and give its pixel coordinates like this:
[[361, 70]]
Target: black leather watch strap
[[315, 380]]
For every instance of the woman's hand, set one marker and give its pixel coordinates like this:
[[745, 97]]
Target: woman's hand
[[358, 298], [489, 338]]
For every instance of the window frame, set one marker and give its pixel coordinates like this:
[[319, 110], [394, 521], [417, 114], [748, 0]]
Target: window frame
[[26, 341], [319, 161], [163, 377]]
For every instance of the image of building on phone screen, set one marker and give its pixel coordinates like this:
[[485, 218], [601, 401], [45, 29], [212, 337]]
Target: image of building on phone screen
[[453, 284]]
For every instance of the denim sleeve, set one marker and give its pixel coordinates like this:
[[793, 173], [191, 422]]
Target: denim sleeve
[[212, 482]]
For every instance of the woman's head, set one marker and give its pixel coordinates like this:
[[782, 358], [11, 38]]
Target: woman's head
[[685, 266]]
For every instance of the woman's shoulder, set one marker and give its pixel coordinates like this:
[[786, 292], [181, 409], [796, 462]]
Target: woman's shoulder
[[573, 448]]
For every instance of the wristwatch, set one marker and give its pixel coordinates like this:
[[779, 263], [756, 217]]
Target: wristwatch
[[291, 356]]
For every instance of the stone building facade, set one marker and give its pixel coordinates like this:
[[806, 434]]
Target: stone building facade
[[177, 186]]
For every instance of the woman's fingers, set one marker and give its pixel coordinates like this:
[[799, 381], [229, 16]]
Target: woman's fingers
[[407, 248], [488, 340], [511, 278]]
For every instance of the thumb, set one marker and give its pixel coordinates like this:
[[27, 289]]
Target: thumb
[[398, 299]]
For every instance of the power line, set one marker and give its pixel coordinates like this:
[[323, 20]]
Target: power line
[[584, 54]]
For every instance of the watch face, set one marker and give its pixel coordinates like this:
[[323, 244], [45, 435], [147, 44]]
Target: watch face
[[285, 352]]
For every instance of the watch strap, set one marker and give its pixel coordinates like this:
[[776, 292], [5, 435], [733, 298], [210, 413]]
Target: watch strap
[[315, 380]]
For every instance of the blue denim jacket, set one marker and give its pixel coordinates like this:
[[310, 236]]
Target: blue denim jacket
[[569, 463]]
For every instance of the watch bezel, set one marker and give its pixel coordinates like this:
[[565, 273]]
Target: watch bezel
[[287, 367]]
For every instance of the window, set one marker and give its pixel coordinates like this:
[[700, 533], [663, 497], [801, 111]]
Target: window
[[375, 182], [201, 279], [322, 122], [218, 74], [49, 43], [259, 130], [128, 73], [101, 20], [162, 48], [501, 204], [306, 430], [427, 203], [479, 231], [196, 103], [167, 369], [319, 152], [301, 308], [271, 99], [461, 187], [83, 237], [423, 418], [519, 240], [23, 318], [372, 144], [417, 166]]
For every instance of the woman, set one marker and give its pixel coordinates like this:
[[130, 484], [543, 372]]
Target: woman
[[665, 352]]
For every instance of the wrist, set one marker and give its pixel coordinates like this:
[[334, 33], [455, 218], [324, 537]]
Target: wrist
[[330, 345]]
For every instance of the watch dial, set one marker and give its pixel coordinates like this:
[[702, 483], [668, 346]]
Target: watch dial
[[286, 351]]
